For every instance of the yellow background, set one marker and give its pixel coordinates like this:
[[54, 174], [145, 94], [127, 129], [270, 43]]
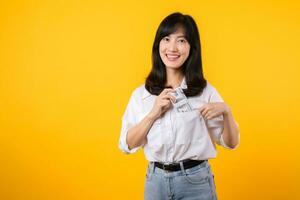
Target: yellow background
[[67, 69]]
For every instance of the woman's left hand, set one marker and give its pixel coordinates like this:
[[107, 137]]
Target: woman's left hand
[[211, 110]]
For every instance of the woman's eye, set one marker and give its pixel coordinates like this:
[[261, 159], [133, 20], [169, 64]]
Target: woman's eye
[[182, 41], [166, 39]]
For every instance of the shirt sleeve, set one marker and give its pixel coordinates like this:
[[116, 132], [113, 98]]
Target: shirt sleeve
[[216, 125], [129, 119]]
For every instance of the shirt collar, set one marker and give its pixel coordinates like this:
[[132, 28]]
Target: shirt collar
[[183, 83], [146, 94]]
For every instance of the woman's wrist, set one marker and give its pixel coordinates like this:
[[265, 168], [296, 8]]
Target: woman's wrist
[[151, 116], [227, 110]]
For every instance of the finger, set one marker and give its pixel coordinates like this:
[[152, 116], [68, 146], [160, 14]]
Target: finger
[[165, 102], [166, 108], [205, 115], [170, 97], [203, 107], [207, 108], [167, 96], [208, 114], [208, 117], [215, 114], [165, 91], [211, 115], [205, 111]]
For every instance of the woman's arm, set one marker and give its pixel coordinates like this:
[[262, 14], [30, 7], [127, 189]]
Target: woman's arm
[[230, 132], [137, 135]]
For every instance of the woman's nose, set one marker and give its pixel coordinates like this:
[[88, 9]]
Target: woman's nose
[[172, 46]]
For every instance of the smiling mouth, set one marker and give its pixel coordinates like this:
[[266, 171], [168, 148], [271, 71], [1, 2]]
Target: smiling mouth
[[172, 57]]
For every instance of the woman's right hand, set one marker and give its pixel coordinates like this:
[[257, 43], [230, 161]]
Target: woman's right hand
[[162, 103]]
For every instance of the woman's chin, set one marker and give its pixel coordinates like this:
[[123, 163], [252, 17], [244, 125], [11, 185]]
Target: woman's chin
[[173, 67]]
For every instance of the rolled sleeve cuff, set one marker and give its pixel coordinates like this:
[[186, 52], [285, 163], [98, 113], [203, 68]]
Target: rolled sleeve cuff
[[123, 146], [222, 143]]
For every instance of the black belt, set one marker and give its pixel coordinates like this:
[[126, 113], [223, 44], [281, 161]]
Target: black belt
[[176, 166]]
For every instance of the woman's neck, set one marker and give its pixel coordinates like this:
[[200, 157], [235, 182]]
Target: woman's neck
[[174, 78]]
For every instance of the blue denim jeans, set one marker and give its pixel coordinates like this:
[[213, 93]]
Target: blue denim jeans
[[196, 183]]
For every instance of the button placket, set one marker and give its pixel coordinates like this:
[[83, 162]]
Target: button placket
[[172, 132]]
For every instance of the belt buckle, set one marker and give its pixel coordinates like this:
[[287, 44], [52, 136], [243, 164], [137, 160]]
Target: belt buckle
[[167, 165], [164, 167]]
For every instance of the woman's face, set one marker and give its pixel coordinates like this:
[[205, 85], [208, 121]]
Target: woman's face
[[174, 49]]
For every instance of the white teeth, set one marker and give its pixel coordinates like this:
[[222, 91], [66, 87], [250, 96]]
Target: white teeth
[[172, 56]]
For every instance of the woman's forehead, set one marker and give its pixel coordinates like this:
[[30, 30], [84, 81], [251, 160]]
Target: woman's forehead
[[178, 32]]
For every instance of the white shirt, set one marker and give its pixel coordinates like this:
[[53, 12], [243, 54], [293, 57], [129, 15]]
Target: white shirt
[[175, 136]]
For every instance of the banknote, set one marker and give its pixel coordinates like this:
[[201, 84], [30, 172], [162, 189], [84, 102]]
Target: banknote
[[182, 104]]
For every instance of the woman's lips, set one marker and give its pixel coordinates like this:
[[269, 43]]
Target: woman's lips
[[172, 57]]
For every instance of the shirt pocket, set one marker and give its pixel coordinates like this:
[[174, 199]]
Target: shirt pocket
[[216, 122], [189, 127]]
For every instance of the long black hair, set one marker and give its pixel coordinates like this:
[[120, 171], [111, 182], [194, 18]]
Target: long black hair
[[191, 68]]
